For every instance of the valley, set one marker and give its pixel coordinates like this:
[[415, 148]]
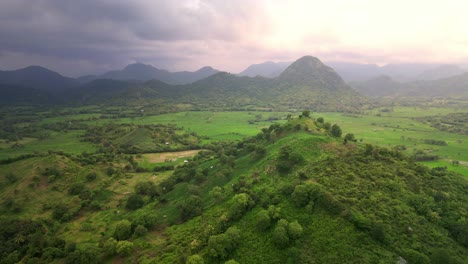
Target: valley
[[297, 168]]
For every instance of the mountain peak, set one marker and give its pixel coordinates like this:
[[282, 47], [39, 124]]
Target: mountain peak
[[309, 70], [207, 69], [138, 67]]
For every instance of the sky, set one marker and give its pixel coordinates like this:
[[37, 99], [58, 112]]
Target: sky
[[94, 36]]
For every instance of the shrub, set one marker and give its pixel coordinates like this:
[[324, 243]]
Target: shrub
[[76, 188], [134, 202], [194, 259], [300, 196], [123, 230], [190, 207], [240, 204], [124, 248], [262, 220], [295, 230], [110, 246], [336, 131], [91, 177], [280, 234], [220, 246]]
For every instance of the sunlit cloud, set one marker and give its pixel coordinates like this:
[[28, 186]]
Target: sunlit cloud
[[79, 37]]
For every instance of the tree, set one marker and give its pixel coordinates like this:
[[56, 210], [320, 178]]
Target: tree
[[336, 131], [140, 231], [240, 203], [123, 230], [146, 188], [295, 230], [306, 113], [220, 246], [320, 120], [195, 259], [300, 196], [190, 207], [134, 202], [124, 247], [262, 220], [349, 137], [110, 246], [280, 234]]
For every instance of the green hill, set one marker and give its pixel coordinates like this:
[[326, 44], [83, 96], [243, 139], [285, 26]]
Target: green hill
[[295, 193]]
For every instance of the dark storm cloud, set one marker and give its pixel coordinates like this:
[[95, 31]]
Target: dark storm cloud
[[114, 31]]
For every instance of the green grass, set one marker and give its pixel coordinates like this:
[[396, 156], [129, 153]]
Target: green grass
[[68, 118], [57, 141], [215, 125]]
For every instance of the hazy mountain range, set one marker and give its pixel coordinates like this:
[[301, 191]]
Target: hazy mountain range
[[144, 72], [384, 86], [363, 72], [306, 83]]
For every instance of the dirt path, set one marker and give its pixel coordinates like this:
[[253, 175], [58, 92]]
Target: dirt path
[[163, 156]]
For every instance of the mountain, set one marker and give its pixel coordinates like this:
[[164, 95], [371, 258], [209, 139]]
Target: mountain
[[382, 85], [39, 78], [441, 72], [355, 71], [186, 77], [267, 69], [405, 72], [12, 94], [142, 72], [455, 87], [311, 71], [305, 83]]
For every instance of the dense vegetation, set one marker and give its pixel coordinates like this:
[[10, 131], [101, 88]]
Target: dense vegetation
[[294, 193]]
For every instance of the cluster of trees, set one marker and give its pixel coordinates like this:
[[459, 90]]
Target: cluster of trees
[[133, 139], [453, 123]]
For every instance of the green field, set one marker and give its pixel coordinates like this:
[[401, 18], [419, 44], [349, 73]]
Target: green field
[[68, 142], [395, 128], [389, 127], [215, 125]]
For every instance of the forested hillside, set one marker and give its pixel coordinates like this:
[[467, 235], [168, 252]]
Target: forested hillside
[[302, 192]]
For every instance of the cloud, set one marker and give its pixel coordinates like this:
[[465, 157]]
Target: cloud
[[89, 36], [116, 32]]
